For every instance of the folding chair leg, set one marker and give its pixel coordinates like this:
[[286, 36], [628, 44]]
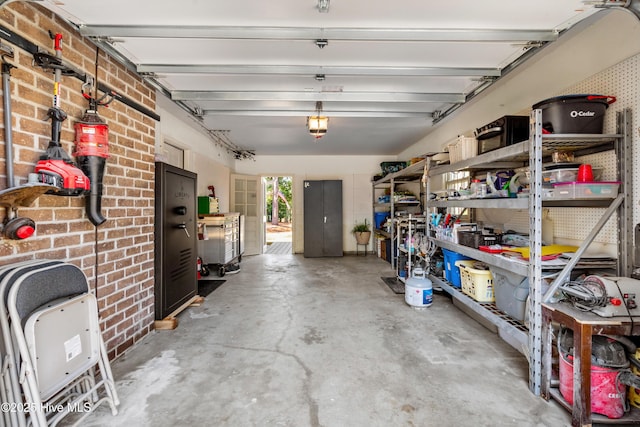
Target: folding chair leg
[[107, 375], [8, 418]]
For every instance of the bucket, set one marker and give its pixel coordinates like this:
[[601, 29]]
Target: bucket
[[607, 394], [574, 113], [418, 290]]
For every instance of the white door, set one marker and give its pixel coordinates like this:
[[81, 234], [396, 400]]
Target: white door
[[246, 198]]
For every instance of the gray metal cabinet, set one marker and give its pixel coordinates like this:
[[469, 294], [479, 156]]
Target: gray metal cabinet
[[323, 218]]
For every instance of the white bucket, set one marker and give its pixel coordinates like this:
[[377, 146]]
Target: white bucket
[[418, 290]]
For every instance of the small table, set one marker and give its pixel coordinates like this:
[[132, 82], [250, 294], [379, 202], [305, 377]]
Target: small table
[[584, 326]]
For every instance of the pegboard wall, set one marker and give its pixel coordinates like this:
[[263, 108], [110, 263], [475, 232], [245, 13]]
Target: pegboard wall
[[620, 81], [623, 82]]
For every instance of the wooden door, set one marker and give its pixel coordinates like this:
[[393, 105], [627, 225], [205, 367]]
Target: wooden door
[[246, 199]]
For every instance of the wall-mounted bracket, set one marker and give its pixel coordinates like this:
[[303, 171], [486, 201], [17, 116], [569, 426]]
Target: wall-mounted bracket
[[24, 195]]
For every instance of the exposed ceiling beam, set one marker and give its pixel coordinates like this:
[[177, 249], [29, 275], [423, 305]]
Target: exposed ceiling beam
[[325, 112], [316, 69], [300, 33], [181, 95]]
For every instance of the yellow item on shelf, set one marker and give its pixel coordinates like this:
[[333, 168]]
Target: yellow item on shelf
[[546, 250]]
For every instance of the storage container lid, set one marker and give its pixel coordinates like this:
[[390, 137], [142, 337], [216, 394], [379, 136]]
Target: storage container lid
[[559, 184], [603, 99]]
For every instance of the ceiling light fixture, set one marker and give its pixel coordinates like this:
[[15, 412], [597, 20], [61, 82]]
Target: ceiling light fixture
[[318, 124], [321, 43], [323, 6]]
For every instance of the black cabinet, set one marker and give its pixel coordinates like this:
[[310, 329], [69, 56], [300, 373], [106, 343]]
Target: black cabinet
[[323, 218], [175, 239]]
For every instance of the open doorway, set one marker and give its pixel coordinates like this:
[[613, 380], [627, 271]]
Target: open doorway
[[278, 214]]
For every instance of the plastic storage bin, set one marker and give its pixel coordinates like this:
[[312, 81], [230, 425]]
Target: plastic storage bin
[[560, 114], [511, 292], [554, 176], [464, 148], [392, 167], [586, 190], [475, 239], [380, 218], [451, 271], [476, 282]]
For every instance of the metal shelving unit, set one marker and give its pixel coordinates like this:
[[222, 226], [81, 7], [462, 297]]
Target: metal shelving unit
[[532, 152], [412, 173]]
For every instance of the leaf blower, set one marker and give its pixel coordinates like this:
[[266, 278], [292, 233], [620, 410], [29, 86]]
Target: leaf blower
[[56, 167], [92, 151]]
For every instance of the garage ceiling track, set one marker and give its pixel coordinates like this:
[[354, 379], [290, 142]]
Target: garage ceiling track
[[386, 72]]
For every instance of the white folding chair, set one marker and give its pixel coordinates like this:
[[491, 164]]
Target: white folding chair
[[54, 322], [10, 389]]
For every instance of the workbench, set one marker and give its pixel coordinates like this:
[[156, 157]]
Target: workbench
[[584, 325]]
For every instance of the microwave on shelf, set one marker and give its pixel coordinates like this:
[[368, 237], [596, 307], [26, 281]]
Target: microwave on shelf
[[507, 130]]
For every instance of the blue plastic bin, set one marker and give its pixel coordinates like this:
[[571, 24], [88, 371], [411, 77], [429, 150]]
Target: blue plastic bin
[[380, 218], [451, 272]]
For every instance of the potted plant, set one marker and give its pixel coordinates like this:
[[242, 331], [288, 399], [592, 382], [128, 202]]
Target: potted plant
[[362, 231]]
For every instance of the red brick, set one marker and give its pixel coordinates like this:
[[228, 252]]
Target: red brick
[[125, 241]]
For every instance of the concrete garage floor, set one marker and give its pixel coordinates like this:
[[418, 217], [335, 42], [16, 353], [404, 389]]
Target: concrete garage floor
[[293, 341]]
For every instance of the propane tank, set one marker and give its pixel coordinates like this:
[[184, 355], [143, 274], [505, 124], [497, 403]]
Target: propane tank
[[92, 151], [418, 290]]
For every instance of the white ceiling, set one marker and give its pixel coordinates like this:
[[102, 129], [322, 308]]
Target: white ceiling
[[390, 69]]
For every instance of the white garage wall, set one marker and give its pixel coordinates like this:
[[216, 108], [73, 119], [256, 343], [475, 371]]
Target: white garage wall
[[355, 172], [211, 162]]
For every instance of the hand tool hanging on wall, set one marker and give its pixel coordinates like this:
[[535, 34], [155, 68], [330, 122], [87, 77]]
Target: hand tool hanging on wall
[[92, 151], [56, 167]]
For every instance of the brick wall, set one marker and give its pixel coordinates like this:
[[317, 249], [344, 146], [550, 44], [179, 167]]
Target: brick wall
[[117, 256]]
